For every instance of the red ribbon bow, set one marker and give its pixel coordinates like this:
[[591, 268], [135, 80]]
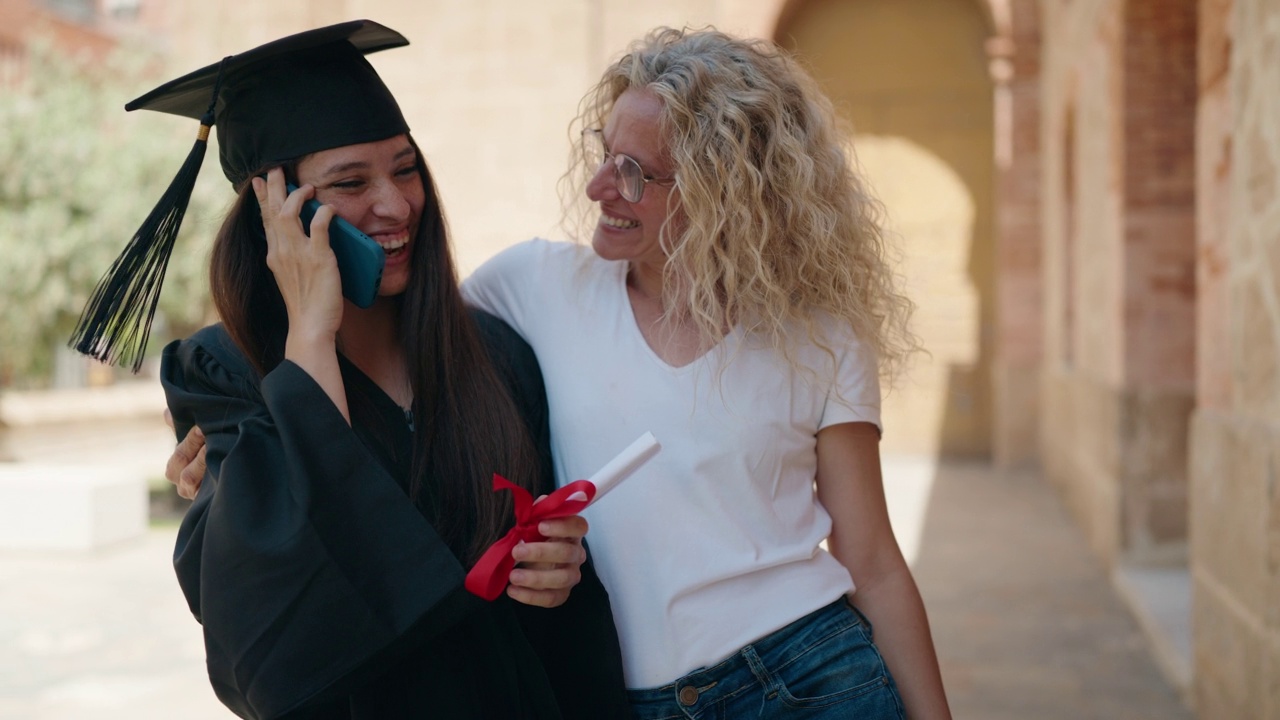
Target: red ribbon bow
[[490, 575]]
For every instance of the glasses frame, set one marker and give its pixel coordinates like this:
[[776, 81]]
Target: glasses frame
[[621, 166]]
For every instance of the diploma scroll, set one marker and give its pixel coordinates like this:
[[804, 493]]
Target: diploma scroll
[[619, 468]]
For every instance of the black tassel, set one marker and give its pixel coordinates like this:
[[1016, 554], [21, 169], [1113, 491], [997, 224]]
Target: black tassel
[[116, 322]]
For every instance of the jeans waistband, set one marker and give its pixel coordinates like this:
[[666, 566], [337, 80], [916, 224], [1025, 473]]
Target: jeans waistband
[[735, 674]]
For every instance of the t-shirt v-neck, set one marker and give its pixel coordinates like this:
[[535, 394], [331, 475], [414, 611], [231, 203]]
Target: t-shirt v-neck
[[627, 318]]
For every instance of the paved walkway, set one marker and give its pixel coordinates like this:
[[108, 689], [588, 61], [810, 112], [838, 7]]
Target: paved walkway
[[1026, 623]]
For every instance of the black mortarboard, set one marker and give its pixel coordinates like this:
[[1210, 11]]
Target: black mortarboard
[[290, 97]]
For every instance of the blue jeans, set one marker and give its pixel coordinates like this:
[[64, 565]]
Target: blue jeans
[[822, 666]]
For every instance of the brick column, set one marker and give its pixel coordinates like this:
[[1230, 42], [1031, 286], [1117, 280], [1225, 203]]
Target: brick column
[[1015, 62], [1158, 275]]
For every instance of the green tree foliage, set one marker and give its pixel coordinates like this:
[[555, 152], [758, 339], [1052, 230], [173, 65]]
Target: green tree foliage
[[77, 177]]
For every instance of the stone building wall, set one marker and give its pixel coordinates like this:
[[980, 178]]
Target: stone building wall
[[1161, 390], [1118, 232], [1235, 438], [1081, 240]]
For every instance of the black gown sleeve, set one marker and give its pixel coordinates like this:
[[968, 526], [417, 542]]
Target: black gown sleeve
[[577, 641], [300, 556]]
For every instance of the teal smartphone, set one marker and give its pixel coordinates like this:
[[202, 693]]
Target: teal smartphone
[[360, 259]]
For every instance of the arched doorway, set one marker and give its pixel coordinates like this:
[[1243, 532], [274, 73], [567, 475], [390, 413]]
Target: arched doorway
[[912, 77]]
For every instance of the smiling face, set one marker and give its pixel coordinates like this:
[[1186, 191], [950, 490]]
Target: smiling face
[[377, 188], [630, 230]]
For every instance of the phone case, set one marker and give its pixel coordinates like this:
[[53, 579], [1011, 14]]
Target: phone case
[[360, 259]]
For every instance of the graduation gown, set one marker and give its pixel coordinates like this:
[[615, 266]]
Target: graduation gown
[[322, 589]]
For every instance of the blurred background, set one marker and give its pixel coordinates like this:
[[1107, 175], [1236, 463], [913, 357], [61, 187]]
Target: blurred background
[[1085, 471]]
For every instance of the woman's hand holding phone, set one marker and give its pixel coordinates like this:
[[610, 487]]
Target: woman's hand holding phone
[[305, 268], [306, 272]]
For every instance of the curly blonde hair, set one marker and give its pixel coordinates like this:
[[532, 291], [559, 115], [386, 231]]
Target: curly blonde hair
[[778, 230]]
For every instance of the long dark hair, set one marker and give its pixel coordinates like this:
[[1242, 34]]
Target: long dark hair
[[466, 425]]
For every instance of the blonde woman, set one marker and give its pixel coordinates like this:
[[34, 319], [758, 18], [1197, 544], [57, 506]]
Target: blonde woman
[[736, 301]]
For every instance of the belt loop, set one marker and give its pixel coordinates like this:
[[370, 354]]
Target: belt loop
[[767, 681]]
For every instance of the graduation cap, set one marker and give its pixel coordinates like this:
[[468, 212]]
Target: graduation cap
[[297, 95]]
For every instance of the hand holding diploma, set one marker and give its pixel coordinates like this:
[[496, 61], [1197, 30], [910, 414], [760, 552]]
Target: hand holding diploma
[[493, 571], [546, 572]]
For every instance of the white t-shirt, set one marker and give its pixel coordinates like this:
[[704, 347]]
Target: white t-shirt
[[714, 543]]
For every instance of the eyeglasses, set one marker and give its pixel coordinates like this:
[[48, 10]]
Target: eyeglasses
[[628, 176]]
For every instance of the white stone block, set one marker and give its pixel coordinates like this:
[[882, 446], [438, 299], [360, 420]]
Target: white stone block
[[69, 507]]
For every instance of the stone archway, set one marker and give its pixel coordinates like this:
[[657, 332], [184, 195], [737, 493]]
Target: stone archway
[[923, 120]]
